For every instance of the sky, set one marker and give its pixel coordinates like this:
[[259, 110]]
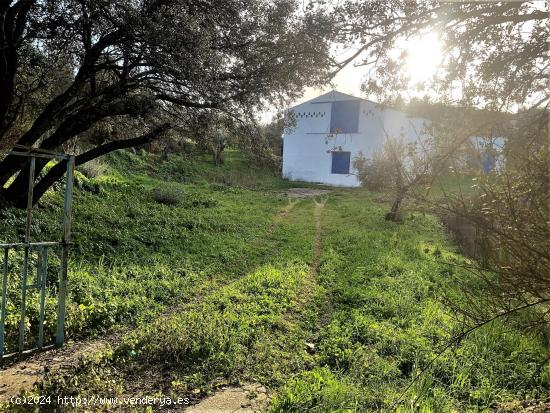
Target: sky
[[424, 57]]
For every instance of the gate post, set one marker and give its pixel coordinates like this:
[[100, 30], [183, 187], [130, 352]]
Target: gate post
[[67, 210]]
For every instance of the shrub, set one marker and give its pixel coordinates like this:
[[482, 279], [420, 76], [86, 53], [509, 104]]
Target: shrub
[[167, 196], [84, 183], [374, 174], [93, 169]]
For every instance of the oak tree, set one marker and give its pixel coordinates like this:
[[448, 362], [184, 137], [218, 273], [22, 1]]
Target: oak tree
[[67, 66]]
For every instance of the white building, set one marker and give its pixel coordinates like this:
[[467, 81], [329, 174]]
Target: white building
[[332, 129], [488, 152]]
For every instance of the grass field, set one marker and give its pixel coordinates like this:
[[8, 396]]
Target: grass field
[[209, 277]]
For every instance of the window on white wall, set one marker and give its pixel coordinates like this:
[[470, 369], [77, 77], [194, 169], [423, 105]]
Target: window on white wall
[[344, 116], [340, 162]]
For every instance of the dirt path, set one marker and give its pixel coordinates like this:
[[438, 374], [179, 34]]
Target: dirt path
[[21, 374], [305, 192], [253, 397], [258, 242], [310, 280], [276, 221], [317, 241], [247, 398], [327, 314]]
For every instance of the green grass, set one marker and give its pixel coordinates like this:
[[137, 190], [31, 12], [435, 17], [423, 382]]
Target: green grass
[[132, 255], [207, 283], [452, 185], [388, 321]]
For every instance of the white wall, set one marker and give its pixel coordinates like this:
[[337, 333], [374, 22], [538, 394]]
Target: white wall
[[306, 153]]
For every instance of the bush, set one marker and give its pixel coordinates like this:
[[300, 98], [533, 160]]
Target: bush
[[93, 169], [82, 182], [167, 196], [374, 174]]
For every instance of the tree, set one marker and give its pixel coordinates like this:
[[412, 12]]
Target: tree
[[495, 54], [217, 139], [263, 145], [495, 57], [132, 59], [409, 170], [403, 167], [212, 132]]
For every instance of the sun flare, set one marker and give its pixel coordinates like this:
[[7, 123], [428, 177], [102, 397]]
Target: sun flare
[[424, 55]]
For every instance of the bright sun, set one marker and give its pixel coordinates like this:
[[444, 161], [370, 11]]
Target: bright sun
[[423, 57]]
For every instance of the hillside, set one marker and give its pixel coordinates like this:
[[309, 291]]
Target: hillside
[[195, 280]]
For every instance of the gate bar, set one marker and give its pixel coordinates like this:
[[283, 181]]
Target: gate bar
[[43, 274], [26, 256], [67, 211], [23, 300], [36, 155], [31, 244], [3, 310], [65, 243], [30, 151], [33, 150], [40, 283]]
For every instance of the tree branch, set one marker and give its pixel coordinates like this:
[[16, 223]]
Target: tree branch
[[56, 172]]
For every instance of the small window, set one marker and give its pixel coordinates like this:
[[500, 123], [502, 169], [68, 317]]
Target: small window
[[340, 162]]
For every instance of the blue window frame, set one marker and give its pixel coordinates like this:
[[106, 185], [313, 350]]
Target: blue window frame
[[344, 116], [340, 162]]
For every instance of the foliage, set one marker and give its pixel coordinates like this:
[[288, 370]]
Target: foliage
[[402, 168], [213, 132], [374, 174], [495, 54], [137, 69], [317, 390], [166, 196], [131, 257], [93, 169], [495, 57], [265, 147], [509, 210], [388, 321]]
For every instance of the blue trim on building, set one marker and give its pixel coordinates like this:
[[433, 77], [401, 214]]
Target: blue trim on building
[[341, 162], [344, 116]]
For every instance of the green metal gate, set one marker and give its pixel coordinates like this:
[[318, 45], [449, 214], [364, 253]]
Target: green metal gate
[[42, 249]]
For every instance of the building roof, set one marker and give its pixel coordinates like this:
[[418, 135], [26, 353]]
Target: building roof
[[332, 96], [335, 95]]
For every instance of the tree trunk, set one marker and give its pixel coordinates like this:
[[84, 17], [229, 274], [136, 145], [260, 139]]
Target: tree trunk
[[393, 214], [12, 29], [18, 197], [217, 156]]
